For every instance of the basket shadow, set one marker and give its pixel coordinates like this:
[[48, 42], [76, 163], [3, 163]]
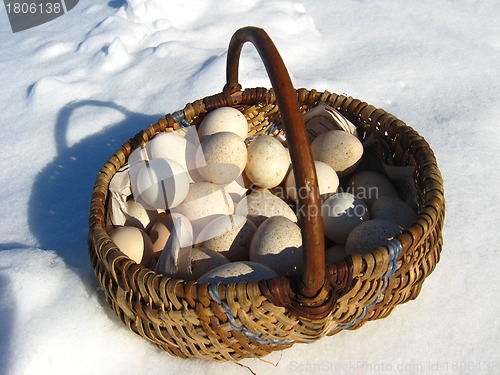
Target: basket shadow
[[60, 198]]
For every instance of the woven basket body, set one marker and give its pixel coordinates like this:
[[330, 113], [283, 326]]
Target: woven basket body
[[235, 321]]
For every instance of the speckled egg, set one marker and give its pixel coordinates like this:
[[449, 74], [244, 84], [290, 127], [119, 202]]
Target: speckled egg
[[393, 209], [221, 158], [235, 272], [277, 243], [261, 204], [134, 243], [268, 161], [370, 185], [203, 260], [342, 212], [340, 150], [328, 181], [371, 234], [223, 119], [229, 235]]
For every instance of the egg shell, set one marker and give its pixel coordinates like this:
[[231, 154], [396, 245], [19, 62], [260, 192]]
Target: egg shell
[[223, 119], [221, 158], [367, 236], [268, 161], [335, 253], [328, 181], [277, 243], [161, 228], [261, 204], [205, 202], [340, 150], [134, 243], [369, 186], [342, 212], [393, 209], [235, 272], [202, 260], [162, 184], [172, 146], [229, 235]]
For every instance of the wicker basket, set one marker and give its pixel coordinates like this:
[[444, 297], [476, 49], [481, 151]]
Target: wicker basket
[[251, 319]]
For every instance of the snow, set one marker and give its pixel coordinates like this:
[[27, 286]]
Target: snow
[[77, 87]]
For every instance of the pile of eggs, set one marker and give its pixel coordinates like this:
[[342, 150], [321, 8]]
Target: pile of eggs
[[219, 210]]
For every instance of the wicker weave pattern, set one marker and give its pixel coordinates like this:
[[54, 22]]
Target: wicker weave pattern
[[227, 323]]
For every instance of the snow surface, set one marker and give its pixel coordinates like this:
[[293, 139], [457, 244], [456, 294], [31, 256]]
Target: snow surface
[[75, 88]]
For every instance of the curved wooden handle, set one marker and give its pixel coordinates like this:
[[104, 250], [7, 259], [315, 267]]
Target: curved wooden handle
[[309, 212]]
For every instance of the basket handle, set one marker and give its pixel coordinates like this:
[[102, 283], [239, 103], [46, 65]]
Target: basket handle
[[313, 277]]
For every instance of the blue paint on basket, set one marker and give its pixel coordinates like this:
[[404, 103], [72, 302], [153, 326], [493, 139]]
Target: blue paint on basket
[[394, 249], [232, 320], [181, 120]]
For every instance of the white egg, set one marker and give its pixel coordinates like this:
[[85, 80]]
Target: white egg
[[393, 209], [340, 150], [229, 235], [369, 185], [162, 226], [162, 183], [134, 243], [268, 161], [223, 119], [367, 236], [235, 272], [171, 146], [221, 158], [261, 204], [342, 212], [277, 243], [328, 181], [203, 260], [205, 202]]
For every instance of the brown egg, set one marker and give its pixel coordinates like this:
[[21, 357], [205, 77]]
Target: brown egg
[[134, 243]]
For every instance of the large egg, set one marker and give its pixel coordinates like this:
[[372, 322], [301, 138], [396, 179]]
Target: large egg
[[328, 181], [162, 183], [221, 158], [223, 119], [342, 212], [371, 234], [235, 272], [369, 185], [173, 147], [268, 161], [340, 150], [229, 235], [162, 226], [203, 260], [393, 209], [277, 243], [134, 243], [261, 204], [205, 202]]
